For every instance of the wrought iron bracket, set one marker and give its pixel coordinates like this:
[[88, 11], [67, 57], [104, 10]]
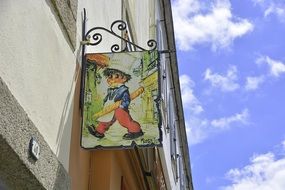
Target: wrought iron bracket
[[94, 36]]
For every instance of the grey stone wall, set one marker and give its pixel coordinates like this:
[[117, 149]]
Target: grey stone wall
[[66, 10], [18, 170]]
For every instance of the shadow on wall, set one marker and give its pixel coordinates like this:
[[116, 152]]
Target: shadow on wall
[[65, 127], [64, 133], [65, 8], [63, 139]]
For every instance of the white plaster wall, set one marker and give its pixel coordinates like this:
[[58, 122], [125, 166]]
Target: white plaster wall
[[100, 13], [142, 13], [38, 65]]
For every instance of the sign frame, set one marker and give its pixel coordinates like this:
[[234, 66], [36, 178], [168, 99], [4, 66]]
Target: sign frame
[[131, 143]]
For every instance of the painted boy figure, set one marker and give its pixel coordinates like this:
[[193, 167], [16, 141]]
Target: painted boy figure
[[117, 91]]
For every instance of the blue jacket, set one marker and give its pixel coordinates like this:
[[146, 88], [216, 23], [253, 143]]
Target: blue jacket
[[117, 94]]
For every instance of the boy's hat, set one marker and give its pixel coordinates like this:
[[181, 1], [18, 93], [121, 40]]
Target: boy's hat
[[101, 60], [124, 62]]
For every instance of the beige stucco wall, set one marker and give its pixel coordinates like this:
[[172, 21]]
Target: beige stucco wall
[[99, 13], [142, 14], [37, 63]]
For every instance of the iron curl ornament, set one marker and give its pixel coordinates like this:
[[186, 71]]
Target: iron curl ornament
[[93, 37]]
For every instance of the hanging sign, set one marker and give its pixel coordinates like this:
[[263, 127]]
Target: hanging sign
[[121, 94]]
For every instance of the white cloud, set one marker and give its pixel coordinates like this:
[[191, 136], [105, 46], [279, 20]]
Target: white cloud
[[276, 68], [226, 122], [197, 130], [196, 127], [283, 144], [195, 24], [269, 10], [265, 172], [188, 98], [199, 127], [258, 2], [272, 7], [225, 83], [253, 83]]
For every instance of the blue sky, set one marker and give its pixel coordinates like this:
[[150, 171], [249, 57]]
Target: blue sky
[[232, 72]]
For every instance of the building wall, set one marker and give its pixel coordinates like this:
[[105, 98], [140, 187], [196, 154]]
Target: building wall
[[18, 170], [38, 65], [142, 18]]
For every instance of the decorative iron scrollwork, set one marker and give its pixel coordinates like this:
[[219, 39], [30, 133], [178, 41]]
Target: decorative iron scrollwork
[[93, 37]]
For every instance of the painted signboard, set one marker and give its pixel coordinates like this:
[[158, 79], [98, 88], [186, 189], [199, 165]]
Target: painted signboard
[[121, 95]]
